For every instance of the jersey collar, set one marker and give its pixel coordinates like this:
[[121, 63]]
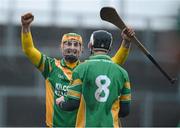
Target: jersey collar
[[63, 63], [106, 57]]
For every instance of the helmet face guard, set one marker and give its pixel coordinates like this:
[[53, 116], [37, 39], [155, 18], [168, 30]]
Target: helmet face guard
[[101, 41], [71, 54]]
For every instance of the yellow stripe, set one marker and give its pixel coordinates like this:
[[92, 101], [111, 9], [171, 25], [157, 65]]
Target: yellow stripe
[[76, 82], [73, 93], [72, 86], [127, 85], [125, 97], [81, 116], [115, 110], [71, 65], [68, 37], [49, 104], [67, 72], [41, 67]]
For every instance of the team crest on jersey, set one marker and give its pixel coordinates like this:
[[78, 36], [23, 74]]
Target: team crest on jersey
[[60, 90], [61, 76]]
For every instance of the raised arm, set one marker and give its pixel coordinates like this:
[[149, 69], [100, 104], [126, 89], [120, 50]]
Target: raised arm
[[28, 48], [123, 52]]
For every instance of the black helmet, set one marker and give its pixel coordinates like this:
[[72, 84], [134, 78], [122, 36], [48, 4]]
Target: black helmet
[[101, 40]]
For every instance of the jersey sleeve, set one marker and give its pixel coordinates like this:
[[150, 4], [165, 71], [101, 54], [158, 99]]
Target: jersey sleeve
[[45, 65], [121, 55], [75, 88], [28, 48], [126, 89]]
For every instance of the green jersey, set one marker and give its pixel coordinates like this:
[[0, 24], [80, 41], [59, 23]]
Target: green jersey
[[100, 85], [57, 76]]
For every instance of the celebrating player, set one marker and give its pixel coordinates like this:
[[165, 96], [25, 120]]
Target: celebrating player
[[101, 87], [58, 73]]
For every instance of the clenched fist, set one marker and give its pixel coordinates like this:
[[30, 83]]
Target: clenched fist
[[27, 19]]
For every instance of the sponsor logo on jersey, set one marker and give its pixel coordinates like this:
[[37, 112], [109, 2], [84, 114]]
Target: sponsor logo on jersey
[[60, 90]]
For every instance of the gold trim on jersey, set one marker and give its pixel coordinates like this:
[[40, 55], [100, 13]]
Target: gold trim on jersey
[[127, 85], [41, 67], [81, 116], [76, 82], [73, 93], [126, 97], [67, 72], [49, 103], [114, 111]]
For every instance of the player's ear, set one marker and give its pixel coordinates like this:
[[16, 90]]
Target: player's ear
[[90, 45]]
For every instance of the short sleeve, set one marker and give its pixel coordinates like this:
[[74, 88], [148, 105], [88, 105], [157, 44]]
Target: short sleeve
[[126, 89]]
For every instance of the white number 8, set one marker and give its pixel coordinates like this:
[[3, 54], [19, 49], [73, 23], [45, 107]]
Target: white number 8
[[102, 88]]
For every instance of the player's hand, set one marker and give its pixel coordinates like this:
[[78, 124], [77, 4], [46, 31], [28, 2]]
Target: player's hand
[[59, 100], [27, 19], [127, 34]]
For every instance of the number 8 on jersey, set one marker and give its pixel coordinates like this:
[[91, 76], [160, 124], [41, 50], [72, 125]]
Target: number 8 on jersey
[[102, 82]]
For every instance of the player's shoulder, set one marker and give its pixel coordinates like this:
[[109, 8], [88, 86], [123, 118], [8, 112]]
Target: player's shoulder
[[82, 65], [120, 69], [46, 57], [49, 59]]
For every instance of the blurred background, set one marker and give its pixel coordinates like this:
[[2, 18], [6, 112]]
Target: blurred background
[[155, 102]]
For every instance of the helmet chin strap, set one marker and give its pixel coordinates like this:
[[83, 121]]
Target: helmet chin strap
[[71, 58]]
